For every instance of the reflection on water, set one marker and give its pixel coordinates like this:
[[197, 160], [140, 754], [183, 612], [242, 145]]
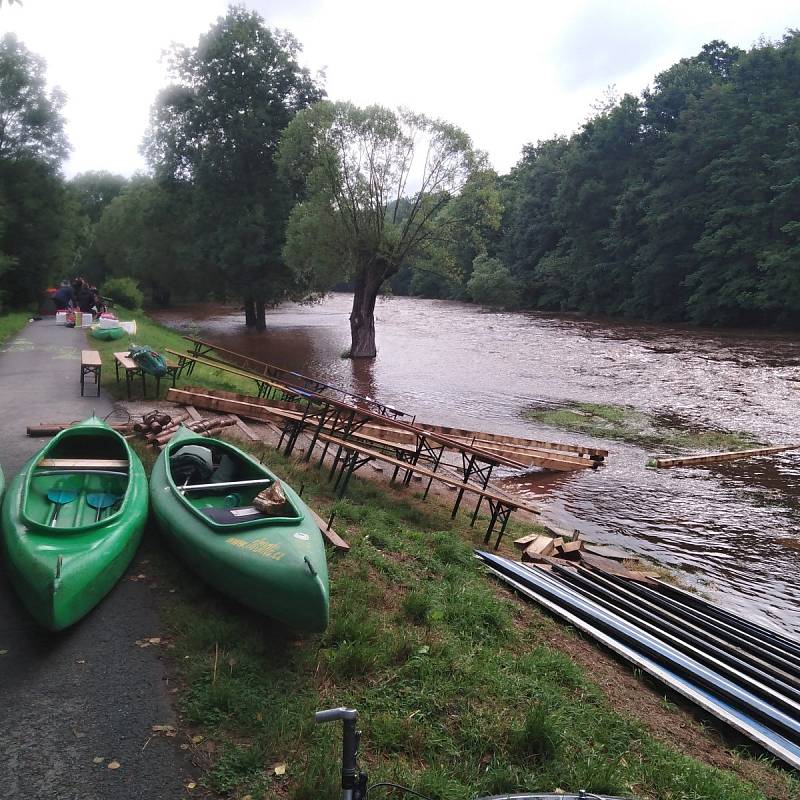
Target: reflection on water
[[454, 364]]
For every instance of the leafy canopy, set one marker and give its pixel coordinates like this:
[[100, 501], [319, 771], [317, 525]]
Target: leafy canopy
[[31, 125], [372, 185]]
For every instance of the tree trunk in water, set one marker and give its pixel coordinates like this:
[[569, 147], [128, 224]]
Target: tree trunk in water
[[161, 297], [362, 318], [249, 312], [261, 315]]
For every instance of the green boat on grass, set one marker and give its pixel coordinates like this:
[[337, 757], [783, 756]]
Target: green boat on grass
[[72, 520], [202, 492]]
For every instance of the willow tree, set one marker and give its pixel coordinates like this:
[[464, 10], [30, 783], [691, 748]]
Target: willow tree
[[372, 185]]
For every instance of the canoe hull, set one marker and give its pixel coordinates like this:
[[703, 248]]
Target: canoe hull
[[60, 575], [277, 568], [106, 334]]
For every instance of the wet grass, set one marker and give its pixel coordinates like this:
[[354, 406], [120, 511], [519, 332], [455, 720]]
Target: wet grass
[[629, 425], [149, 332], [12, 322], [457, 691]]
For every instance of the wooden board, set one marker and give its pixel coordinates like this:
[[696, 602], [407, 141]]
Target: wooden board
[[193, 413], [607, 552], [262, 409], [612, 567], [713, 458], [245, 428], [52, 428], [84, 463], [330, 534], [91, 358], [126, 361], [540, 546]]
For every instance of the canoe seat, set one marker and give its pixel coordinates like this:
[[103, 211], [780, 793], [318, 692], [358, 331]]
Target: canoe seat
[[84, 463]]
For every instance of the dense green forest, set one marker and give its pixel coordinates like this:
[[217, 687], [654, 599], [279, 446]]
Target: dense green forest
[[679, 205]]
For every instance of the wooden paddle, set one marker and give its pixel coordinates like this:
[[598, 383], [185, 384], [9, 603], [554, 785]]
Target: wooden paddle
[[59, 497], [100, 501]]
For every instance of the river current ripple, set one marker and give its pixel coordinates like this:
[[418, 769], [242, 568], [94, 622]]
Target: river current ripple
[[731, 530]]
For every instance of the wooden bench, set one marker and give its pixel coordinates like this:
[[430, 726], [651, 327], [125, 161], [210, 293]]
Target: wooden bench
[[132, 370], [91, 364], [500, 507], [263, 384]]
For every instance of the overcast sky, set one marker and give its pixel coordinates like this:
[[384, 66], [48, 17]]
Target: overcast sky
[[509, 72]]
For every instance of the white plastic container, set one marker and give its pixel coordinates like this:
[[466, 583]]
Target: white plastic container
[[61, 317], [108, 322], [129, 327], [86, 319]]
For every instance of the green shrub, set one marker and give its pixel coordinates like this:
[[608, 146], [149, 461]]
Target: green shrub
[[492, 284], [124, 291]]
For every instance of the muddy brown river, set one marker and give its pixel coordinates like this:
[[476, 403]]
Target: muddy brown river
[[731, 530]]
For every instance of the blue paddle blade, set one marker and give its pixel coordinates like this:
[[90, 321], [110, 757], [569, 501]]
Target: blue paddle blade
[[61, 496], [101, 500]]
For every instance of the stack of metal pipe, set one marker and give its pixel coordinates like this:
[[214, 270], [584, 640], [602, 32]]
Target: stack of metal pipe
[[742, 673]]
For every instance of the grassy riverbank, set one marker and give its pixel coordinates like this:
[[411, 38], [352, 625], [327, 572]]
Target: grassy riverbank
[[629, 425], [12, 322], [462, 688], [149, 332]]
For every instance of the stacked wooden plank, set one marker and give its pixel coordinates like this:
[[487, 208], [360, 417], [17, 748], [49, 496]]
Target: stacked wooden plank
[[551, 550], [524, 452]]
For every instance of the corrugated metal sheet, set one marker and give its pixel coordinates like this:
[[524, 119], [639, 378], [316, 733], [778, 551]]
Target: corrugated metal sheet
[[745, 675]]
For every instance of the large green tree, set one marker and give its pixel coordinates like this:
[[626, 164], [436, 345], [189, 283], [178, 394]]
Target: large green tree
[[145, 233], [39, 221], [681, 205], [373, 187], [216, 130]]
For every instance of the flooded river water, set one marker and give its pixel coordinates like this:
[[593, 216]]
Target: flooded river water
[[732, 530]]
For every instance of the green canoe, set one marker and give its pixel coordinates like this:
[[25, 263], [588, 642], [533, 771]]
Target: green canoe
[[72, 520], [106, 334], [273, 564]]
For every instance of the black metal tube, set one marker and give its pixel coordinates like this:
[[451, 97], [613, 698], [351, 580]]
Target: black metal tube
[[699, 603], [787, 676], [724, 663], [743, 638], [655, 649]]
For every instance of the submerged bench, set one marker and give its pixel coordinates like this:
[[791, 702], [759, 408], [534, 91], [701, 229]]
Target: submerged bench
[[91, 364], [132, 370]]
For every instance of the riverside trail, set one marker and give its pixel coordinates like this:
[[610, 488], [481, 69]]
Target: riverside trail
[[89, 692]]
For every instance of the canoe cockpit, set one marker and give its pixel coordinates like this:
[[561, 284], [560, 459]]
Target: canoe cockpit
[[220, 485], [80, 481]]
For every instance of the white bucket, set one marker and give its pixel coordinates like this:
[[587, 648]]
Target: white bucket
[[86, 319], [129, 327], [61, 317]]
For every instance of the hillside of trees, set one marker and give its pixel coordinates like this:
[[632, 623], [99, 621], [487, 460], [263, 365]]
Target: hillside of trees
[[680, 205]]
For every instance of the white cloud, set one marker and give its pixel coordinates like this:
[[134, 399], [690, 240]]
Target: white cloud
[[508, 72]]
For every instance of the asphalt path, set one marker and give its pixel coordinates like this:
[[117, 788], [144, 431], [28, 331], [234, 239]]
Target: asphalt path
[[69, 700]]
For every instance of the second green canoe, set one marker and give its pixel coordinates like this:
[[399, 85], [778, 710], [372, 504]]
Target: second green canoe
[[72, 520], [273, 564]]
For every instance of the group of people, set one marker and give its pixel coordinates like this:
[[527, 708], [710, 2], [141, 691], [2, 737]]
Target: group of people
[[78, 295]]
